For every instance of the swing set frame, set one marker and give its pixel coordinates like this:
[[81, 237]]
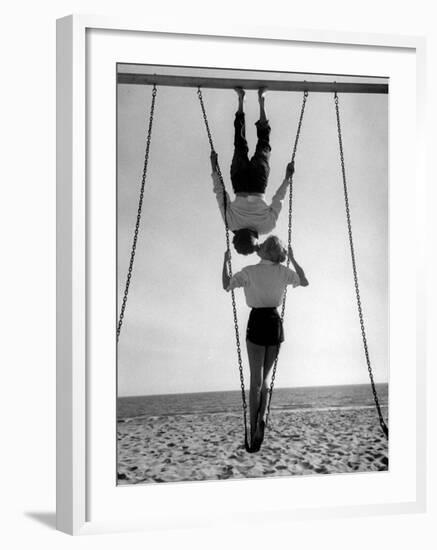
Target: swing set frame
[[203, 82], [153, 79]]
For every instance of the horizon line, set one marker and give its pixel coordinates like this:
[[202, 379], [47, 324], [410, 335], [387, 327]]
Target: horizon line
[[238, 390]]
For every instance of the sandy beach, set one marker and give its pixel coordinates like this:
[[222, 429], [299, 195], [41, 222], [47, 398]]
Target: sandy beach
[[193, 447]]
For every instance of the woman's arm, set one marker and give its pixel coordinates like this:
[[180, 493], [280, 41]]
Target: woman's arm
[[225, 275], [299, 270]]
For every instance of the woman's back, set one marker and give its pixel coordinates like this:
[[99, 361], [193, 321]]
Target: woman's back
[[264, 283]]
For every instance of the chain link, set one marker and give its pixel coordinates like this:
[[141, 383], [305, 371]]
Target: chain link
[[355, 273], [138, 220], [228, 248], [290, 216]]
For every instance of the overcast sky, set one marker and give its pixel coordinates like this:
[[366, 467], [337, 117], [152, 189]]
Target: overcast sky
[[178, 333]]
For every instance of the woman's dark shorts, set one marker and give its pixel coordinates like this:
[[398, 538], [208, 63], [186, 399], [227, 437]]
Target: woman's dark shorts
[[265, 327]]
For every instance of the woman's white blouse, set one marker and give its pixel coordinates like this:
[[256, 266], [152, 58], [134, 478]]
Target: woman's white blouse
[[264, 283]]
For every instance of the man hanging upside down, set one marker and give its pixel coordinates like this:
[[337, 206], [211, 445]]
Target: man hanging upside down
[[249, 215]]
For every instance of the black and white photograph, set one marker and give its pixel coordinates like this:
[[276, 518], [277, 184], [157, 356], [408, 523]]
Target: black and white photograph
[[218, 286], [252, 318]]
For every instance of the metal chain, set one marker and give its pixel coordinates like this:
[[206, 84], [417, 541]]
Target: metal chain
[[354, 269], [290, 215], [228, 248], [138, 220]]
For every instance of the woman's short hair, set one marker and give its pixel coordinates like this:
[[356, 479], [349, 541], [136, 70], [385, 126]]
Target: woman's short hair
[[273, 249]]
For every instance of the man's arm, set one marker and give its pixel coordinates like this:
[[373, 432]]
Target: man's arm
[[298, 269], [225, 275], [214, 161], [278, 197], [220, 193]]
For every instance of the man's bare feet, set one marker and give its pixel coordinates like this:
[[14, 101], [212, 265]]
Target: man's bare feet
[[261, 99], [262, 93], [241, 93]]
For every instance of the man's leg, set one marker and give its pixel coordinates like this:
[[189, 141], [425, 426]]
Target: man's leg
[[259, 163], [240, 160]]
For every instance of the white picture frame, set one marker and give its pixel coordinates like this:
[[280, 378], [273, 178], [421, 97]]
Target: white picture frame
[[75, 347]]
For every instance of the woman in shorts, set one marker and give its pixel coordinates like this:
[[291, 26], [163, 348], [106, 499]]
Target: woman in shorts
[[264, 285]]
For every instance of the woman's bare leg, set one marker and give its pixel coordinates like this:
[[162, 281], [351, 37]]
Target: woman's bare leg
[[271, 352], [256, 362]]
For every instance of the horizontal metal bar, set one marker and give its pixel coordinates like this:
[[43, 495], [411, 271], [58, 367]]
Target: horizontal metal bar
[[247, 84]]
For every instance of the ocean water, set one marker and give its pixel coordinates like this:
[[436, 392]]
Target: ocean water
[[315, 397]]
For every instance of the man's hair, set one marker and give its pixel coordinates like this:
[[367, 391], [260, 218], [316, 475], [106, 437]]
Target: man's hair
[[244, 241], [273, 250]]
